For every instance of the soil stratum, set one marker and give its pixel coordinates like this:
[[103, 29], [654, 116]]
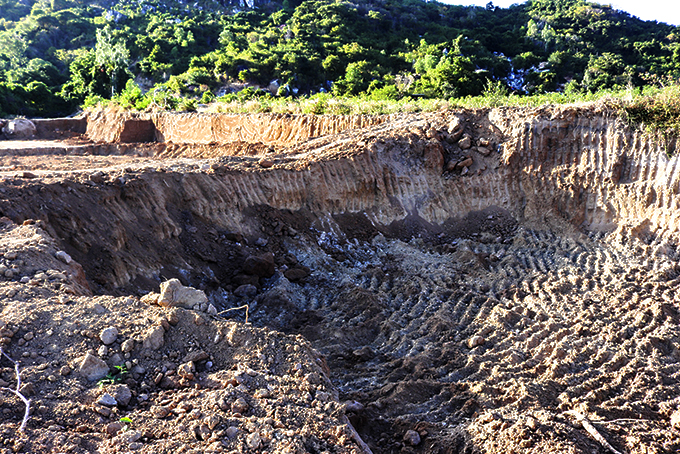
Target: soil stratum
[[480, 281]]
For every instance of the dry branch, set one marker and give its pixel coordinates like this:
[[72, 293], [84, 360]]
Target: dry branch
[[17, 392], [245, 306], [581, 418]]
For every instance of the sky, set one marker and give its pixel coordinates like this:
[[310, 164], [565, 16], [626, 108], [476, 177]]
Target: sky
[[667, 11]]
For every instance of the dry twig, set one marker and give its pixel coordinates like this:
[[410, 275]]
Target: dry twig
[[17, 392], [581, 418], [245, 306]]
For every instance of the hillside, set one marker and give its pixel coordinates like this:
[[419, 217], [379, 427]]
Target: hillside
[[56, 55]]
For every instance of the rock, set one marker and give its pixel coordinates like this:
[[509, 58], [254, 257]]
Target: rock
[[296, 274], [455, 129], [212, 310], [483, 151], [467, 162], [265, 163], [186, 370], [121, 393], [239, 405], [195, 356], [64, 371], [213, 421], [159, 412], [28, 336], [260, 265], [465, 143], [412, 437], [107, 400], [173, 293], [364, 353], [19, 129], [675, 419], [127, 346], [475, 341], [154, 338], [64, 257], [97, 177], [109, 335], [113, 428], [102, 351], [150, 298], [246, 290], [130, 436], [93, 368], [231, 432], [202, 432], [253, 440]]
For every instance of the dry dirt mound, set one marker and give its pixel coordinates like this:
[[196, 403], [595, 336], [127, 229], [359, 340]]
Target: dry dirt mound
[[475, 281]]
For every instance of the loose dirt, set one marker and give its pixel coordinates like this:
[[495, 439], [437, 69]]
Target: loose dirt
[[473, 281]]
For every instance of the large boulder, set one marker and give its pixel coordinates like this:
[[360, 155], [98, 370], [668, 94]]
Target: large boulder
[[19, 129]]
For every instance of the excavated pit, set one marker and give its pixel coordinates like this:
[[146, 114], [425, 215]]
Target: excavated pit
[[478, 294]]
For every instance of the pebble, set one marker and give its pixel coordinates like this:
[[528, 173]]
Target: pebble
[[131, 436], [103, 351], [186, 370], [92, 367], [160, 412], [121, 394], [246, 290], [231, 432], [28, 336], [107, 399], [675, 419], [128, 345], [109, 335], [212, 310], [154, 338], [475, 341], [465, 143], [239, 405], [64, 257], [253, 440], [266, 163], [412, 437]]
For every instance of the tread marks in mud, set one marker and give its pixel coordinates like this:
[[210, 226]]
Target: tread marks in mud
[[564, 325]]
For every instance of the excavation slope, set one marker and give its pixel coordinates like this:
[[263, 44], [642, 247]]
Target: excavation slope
[[483, 279]]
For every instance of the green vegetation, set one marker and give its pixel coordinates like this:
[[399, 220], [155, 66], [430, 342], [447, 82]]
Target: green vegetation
[[322, 56]]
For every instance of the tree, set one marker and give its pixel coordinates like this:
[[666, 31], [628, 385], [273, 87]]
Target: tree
[[112, 57]]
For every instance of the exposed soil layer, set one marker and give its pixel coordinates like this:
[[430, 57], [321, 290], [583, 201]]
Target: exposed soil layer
[[473, 281]]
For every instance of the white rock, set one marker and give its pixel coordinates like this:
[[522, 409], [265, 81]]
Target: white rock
[[212, 310], [109, 335], [93, 368], [107, 400], [253, 440], [154, 338], [64, 257], [173, 293], [128, 345], [475, 341]]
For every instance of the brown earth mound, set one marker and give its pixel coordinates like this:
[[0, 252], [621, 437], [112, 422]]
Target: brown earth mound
[[478, 281]]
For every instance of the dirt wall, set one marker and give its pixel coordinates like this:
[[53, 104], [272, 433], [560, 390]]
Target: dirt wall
[[191, 128]]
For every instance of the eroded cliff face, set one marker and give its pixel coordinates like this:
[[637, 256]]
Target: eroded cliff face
[[474, 276], [567, 168]]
